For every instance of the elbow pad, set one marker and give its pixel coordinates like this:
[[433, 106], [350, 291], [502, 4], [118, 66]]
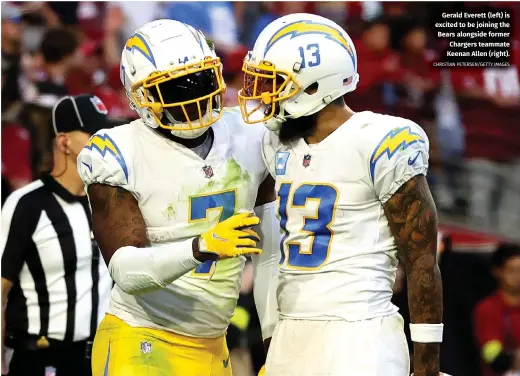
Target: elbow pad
[[265, 268], [140, 270]]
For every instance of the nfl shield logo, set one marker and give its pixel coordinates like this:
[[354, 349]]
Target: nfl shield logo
[[208, 171], [146, 347], [306, 160], [99, 105]]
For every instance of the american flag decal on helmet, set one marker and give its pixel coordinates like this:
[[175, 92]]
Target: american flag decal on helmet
[[99, 105], [347, 81]]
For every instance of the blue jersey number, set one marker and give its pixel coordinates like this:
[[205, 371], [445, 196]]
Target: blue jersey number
[[315, 57], [315, 227], [224, 201]]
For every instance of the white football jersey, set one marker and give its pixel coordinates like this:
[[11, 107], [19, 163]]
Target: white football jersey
[[339, 257], [181, 195]]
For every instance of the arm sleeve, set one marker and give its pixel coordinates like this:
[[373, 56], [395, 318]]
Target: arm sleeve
[[18, 225], [397, 155], [103, 160], [140, 270], [265, 268]]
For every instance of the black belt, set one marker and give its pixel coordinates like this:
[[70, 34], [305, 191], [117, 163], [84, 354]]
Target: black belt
[[33, 342]]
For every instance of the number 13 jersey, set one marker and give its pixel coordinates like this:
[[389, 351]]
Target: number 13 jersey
[[338, 256]]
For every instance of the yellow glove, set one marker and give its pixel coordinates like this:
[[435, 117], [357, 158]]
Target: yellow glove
[[231, 238], [262, 371]]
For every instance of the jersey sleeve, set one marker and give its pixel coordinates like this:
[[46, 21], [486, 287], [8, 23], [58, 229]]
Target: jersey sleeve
[[104, 160], [395, 155], [253, 135], [269, 148]]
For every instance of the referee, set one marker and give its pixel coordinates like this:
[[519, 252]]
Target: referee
[[54, 287]]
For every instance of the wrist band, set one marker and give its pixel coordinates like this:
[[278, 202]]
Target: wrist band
[[426, 333]]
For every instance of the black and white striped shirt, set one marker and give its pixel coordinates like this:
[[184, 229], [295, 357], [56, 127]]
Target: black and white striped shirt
[[61, 284]]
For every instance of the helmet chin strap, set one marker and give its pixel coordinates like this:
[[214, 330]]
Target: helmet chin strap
[[149, 120], [188, 133], [275, 123]]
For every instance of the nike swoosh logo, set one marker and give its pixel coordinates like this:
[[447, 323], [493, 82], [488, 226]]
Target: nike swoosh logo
[[88, 166], [225, 363], [218, 238], [412, 161]]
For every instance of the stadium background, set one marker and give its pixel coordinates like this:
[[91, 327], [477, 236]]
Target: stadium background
[[50, 49]]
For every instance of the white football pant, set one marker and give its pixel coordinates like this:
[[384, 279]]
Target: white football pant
[[375, 347]]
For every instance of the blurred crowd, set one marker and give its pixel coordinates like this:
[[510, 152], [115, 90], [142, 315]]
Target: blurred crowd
[[472, 116], [58, 48]]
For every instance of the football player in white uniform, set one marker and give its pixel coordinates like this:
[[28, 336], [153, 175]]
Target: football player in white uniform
[[172, 198], [353, 198]]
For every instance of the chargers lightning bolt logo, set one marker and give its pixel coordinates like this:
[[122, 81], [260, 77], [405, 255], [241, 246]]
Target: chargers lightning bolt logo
[[103, 144], [138, 43], [196, 35], [298, 28], [395, 140]]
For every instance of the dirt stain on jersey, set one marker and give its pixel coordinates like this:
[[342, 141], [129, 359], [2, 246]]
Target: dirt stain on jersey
[[233, 177], [169, 212]]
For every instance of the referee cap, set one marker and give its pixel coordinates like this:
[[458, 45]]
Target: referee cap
[[85, 113]]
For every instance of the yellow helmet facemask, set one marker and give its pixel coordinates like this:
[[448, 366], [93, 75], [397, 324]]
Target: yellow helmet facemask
[[190, 95], [264, 87]]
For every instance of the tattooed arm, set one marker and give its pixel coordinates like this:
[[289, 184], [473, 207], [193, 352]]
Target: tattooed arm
[[120, 231], [135, 266], [412, 218], [116, 219]]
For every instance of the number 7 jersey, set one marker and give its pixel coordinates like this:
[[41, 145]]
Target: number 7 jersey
[[181, 196], [338, 256]]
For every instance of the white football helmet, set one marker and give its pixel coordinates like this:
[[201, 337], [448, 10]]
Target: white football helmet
[[299, 64], [173, 78]]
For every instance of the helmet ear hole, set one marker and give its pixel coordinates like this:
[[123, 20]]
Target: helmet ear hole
[[312, 88]]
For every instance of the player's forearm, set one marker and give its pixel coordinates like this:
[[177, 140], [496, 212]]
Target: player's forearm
[[141, 270], [264, 291], [425, 303], [265, 267], [412, 218]]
